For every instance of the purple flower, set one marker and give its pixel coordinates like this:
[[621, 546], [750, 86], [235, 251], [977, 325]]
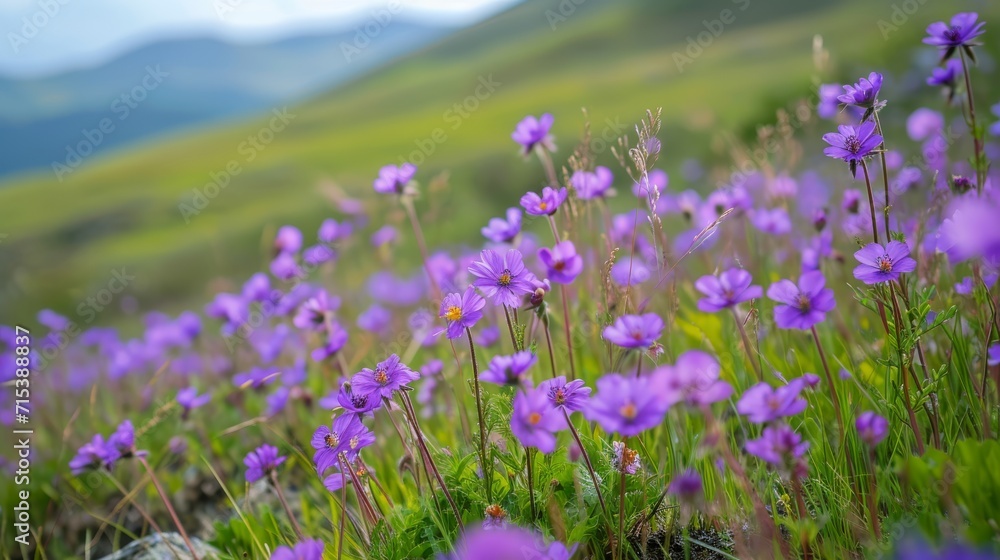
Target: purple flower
[[499, 230], [285, 267], [545, 205], [496, 518], [852, 201], [384, 235], [804, 305], [503, 278], [488, 336], [946, 76], [461, 311], [392, 179], [91, 455], [336, 338], [570, 396], [309, 549], [375, 319], [864, 93], [387, 377], [330, 231], [314, 313], [634, 331], [993, 355], [871, 427], [592, 184], [356, 403], [122, 442], [686, 486], [288, 240], [53, 321], [257, 288], [262, 462], [728, 289], [189, 399], [532, 131], [883, 263], [852, 144], [347, 435], [509, 370], [277, 401], [562, 262], [960, 33], [506, 544], [625, 405], [625, 461], [694, 380], [828, 105], [762, 403], [535, 421], [778, 445], [924, 123]]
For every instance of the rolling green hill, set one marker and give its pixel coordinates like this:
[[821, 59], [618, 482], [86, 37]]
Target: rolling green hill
[[616, 58]]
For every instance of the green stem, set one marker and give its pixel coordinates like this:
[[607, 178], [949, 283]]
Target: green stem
[[486, 467]]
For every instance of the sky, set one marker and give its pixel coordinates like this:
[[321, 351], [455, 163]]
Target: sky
[[49, 36]]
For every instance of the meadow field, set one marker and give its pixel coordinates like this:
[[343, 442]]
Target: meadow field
[[625, 280]]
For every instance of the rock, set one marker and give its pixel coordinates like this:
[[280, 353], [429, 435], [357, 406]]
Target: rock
[[163, 546]]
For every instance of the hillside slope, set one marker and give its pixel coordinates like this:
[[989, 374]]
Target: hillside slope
[[614, 58]]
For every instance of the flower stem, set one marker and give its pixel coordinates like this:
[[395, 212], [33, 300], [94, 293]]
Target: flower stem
[[284, 504], [550, 170], [621, 501], [569, 334], [343, 516], [871, 201], [529, 459], [418, 234], [885, 177], [833, 388], [873, 497], [510, 329], [803, 514], [586, 461], [484, 464], [548, 343], [408, 407], [746, 346], [170, 508], [976, 140]]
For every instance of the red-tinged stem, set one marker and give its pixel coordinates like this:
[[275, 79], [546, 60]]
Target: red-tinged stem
[[484, 464], [170, 508], [885, 177], [550, 170], [803, 514], [873, 497], [833, 387], [529, 460], [548, 343], [343, 514], [510, 329], [586, 461], [408, 407], [284, 504], [871, 201], [976, 141], [621, 501]]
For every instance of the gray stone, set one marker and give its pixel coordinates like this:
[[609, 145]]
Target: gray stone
[[163, 546]]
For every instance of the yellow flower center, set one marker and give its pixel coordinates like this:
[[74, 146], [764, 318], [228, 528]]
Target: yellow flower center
[[534, 418], [884, 264], [560, 396], [381, 377], [504, 279], [331, 440], [543, 205], [453, 313]]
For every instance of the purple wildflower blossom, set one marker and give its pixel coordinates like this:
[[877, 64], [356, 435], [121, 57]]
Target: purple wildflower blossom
[[356, 403], [694, 380], [864, 93], [392, 179], [346, 435], [314, 313], [686, 486], [53, 321], [592, 184], [993, 355], [871, 427], [503, 278], [91, 455], [778, 445], [499, 230], [189, 399], [506, 544], [804, 305], [330, 231], [571, 396], [851, 144], [376, 319], [461, 311], [728, 289], [388, 377], [562, 262], [961, 31], [762, 403], [624, 460], [262, 462], [308, 549], [634, 331], [336, 339], [535, 421], [545, 205], [288, 240], [625, 405], [509, 370], [883, 263], [532, 131]]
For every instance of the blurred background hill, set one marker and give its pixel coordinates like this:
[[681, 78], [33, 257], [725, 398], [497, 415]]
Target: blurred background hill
[[448, 97]]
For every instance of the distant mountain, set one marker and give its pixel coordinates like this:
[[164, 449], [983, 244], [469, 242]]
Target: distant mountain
[[171, 84]]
